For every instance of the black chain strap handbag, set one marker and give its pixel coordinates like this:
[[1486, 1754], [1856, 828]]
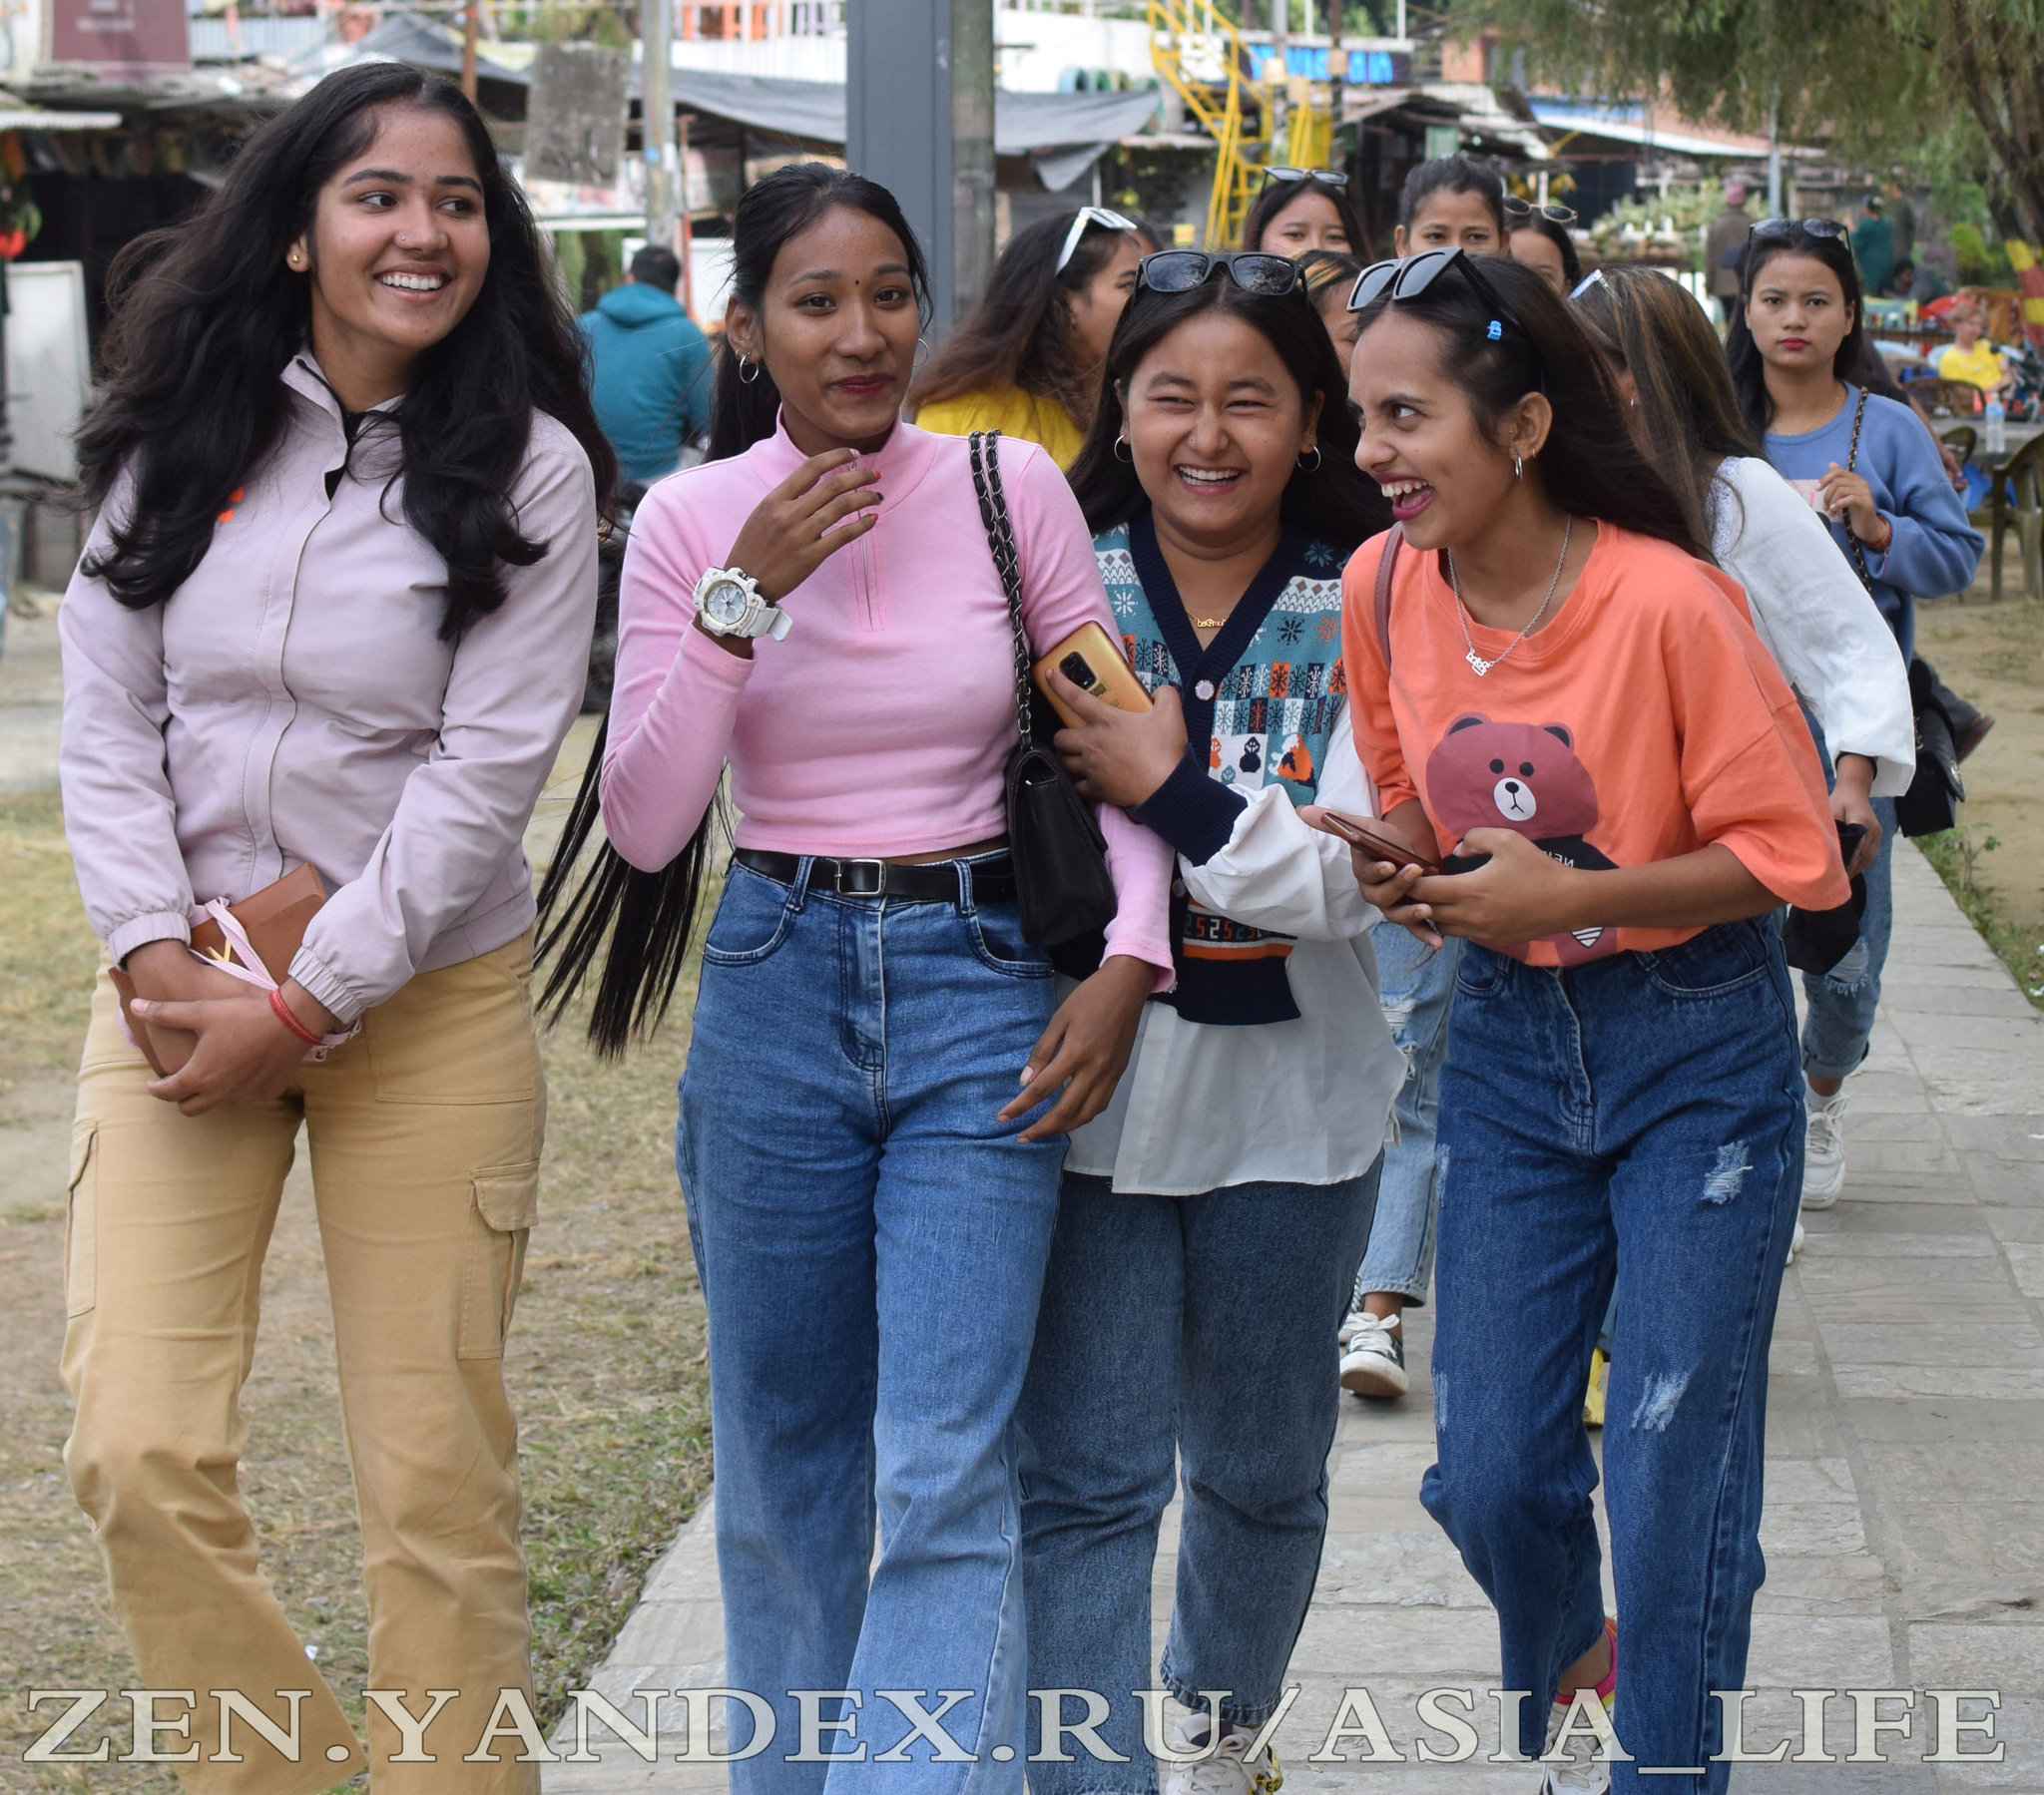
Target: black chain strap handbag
[[1060, 855]]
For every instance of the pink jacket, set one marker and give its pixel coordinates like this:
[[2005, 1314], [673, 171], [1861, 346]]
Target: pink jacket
[[880, 726], [292, 701]]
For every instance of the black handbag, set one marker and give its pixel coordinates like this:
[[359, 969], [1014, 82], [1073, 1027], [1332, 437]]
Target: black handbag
[[1931, 805], [1060, 855]]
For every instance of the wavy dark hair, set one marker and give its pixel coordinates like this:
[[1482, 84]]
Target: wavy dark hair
[[1281, 194], [206, 317], [1020, 332], [1335, 501], [1655, 331], [1461, 173], [1748, 366], [1591, 466], [638, 924]]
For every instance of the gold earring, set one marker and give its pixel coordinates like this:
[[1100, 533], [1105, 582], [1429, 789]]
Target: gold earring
[[296, 258]]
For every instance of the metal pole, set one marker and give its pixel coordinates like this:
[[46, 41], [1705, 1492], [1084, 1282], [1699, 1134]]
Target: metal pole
[[1773, 157], [688, 273], [471, 29], [657, 119]]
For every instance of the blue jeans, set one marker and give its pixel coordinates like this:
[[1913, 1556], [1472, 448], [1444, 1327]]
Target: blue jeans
[[870, 1241], [1199, 1327], [1416, 984], [1841, 1018], [1639, 1120]]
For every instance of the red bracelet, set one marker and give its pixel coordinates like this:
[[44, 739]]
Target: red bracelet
[[283, 1012]]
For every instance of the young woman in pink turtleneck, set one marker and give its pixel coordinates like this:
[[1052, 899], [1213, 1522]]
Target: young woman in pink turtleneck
[[879, 1076]]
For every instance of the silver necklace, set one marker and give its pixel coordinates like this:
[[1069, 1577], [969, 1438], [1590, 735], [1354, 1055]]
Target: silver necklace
[[1475, 659]]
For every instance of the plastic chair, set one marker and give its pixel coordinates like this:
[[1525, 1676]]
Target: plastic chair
[[2016, 502], [1961, 440]]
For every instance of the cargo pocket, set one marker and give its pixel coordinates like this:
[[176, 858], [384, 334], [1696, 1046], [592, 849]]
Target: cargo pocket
[[81, 1219], [502, 1211]]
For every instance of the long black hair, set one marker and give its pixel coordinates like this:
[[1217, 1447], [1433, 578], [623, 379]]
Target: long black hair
[[1020, 332], [207, 316], [639, 923], [1281, 194], [1333, 501], [1591, 466], [1748, 366]]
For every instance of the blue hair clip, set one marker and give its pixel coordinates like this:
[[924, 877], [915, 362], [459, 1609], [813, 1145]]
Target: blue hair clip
[[1495, 332]]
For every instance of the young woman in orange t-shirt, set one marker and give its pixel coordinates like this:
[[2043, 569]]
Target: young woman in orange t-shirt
[[1569, 706]]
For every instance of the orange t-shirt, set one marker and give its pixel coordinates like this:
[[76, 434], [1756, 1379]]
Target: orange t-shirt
[[1644, 722]]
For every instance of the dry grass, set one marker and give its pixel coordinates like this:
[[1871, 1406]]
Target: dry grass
[[606, 1363]]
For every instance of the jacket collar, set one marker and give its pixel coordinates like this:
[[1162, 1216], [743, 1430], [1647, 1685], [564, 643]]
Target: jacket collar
[[303, 377], [903, 460]]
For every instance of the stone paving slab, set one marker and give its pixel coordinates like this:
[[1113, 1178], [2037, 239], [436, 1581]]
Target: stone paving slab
[[1904, 1524]]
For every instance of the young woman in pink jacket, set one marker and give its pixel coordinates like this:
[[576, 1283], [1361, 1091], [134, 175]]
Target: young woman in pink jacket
[[880, 1074], [334, 616]]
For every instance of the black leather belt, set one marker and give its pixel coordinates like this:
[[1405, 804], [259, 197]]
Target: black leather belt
[[933, 882]]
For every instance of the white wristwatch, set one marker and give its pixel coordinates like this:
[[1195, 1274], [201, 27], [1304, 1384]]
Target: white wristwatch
[[729, 603]]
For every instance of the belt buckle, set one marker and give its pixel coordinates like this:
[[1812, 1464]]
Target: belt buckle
[[877, 870]]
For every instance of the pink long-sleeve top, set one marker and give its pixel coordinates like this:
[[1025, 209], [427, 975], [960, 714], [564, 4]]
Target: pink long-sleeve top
[[881, 725]]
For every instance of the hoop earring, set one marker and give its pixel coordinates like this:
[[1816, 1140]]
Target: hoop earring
[[1518, 468], [922, 354], [1120, 443], [744, 379], [1315, 468]]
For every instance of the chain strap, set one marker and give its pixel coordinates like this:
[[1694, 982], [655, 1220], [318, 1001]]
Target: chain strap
[[1000, 540], [1851, 462]]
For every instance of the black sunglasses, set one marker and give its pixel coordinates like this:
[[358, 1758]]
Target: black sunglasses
[[1325, 177], [1789, 226], [1395, 280], [1516, 207], [1181, 270]]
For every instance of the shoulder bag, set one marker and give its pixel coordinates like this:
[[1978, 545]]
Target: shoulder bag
[[1060, 855]]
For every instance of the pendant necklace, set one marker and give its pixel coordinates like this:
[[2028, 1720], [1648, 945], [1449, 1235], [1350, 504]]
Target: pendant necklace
[[1475, 659]]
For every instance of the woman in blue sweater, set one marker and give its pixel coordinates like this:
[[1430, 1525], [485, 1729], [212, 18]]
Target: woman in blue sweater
[[1871, 467]]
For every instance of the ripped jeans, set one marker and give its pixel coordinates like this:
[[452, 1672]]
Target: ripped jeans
[[1636, 1119]]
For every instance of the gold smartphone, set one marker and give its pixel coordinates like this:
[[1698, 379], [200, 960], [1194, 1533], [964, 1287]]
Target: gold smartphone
[[1091, 661]]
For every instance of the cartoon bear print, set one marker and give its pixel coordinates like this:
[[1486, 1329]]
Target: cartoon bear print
[[1524, 778]]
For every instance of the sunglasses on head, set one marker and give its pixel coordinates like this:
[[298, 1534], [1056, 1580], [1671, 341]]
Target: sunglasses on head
[[1090, 217], [1516, 207], [1395, 280], [1181, 270], [1789, 228], [1325, 177]]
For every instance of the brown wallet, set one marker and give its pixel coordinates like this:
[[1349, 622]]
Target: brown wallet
[[274, 921]]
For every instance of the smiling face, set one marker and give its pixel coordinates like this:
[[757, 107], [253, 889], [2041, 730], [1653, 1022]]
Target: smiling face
[[1311, 222], [1097, 307], [1798, 312], [1967, 329], [1422, 441], [1450, 220], [1215, 425], [1542, 255], [396, 253], [837, 329]]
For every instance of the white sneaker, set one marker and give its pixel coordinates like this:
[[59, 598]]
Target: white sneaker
[[1230, 1771], [1581, 1771], [1795, 1243], [1824, 1154], [1374, 1355]]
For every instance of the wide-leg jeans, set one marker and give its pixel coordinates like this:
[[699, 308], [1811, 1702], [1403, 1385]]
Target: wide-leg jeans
[[871, 1239]]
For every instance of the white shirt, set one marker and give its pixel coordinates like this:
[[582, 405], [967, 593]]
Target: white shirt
[[1816, 620], [1306, 1101]]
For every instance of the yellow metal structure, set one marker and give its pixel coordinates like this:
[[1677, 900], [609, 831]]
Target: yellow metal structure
[[1201, 55]]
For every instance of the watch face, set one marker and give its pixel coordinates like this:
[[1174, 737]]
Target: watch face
[[725, 603]]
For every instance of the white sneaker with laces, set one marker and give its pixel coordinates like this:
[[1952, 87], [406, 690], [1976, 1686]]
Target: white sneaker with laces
[[1229, 1771], [1580, 1770], [1374, 1355], [1823, 1152]]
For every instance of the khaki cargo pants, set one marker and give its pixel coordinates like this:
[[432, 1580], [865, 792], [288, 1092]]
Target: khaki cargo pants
[[425, 1134]]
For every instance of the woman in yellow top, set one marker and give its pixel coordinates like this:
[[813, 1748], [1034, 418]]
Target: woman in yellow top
[[1027, 360], [1970, 357]]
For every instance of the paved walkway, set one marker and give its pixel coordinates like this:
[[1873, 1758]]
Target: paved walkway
[[1904, 1528]]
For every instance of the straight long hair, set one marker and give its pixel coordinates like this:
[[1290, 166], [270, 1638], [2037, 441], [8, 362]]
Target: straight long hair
[[1688, 410], [638, 924], [1281, 194], [1748, 366], [1333, 501], [206, 317], [1020, 333], [1591, 466]]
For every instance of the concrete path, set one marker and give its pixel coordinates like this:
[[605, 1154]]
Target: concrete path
[[1904, 1527]]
